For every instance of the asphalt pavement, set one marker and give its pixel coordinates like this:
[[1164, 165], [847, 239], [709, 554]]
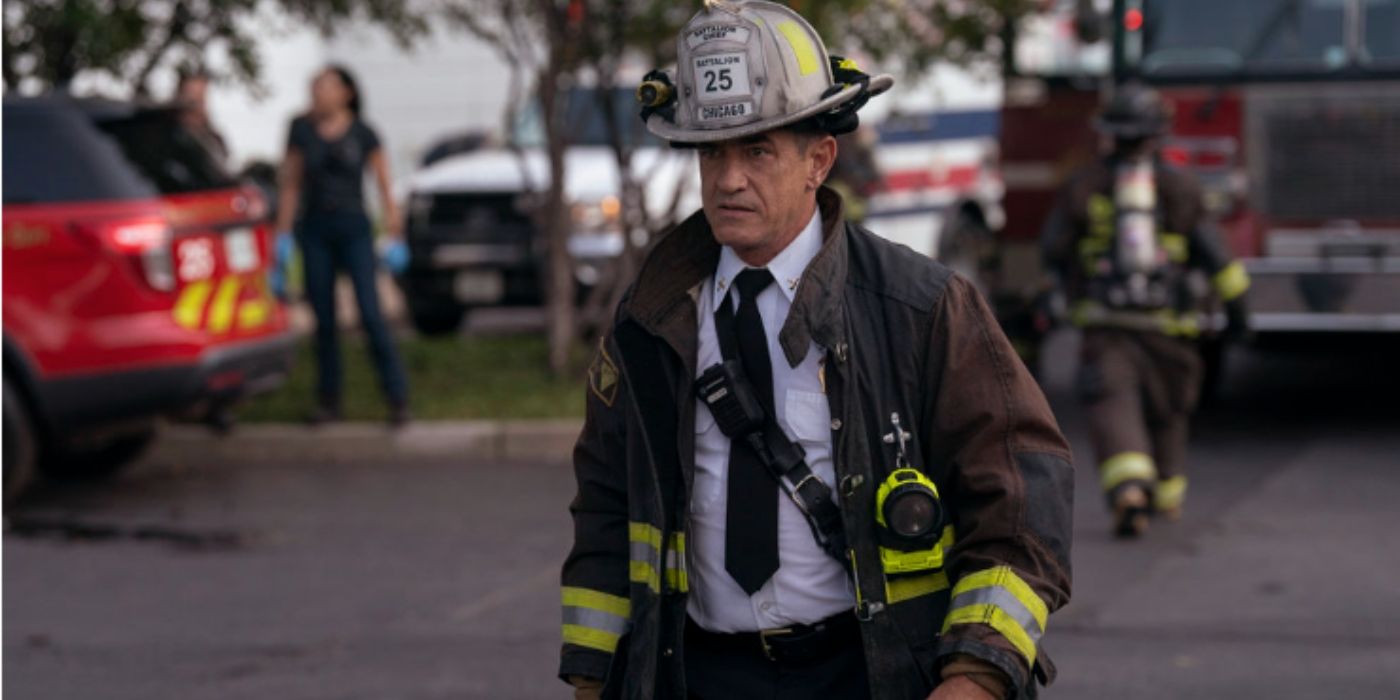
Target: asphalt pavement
[[435, 575]]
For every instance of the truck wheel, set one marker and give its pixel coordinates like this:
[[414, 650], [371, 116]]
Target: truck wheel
[[439, 318], [99, 460], [21, 446]]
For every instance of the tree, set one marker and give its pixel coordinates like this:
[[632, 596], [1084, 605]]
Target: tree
[[47, 43]]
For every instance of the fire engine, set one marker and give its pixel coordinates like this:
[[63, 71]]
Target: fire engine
[[1287, 111]]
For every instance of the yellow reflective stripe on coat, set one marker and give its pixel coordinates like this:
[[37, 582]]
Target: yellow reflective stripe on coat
[[898, 590], [1126, 466], [1170, 493], [645, 565], [1231, 282], [1089, 314], [1176, 246], [907, 587], [595, 619], [1000, 599]]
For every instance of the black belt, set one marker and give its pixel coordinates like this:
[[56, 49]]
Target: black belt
[[794, 644]]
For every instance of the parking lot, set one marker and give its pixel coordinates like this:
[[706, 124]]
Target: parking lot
[[437, 578]]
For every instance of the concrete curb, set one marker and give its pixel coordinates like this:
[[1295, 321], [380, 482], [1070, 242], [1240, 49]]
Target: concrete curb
[[469, 441]]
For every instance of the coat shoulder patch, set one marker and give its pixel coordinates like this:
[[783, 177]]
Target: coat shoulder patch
[[603, 377]]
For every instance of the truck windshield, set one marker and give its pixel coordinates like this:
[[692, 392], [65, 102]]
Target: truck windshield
[[587, 124], [1243, 36], [1263, 37], [1382, 33]]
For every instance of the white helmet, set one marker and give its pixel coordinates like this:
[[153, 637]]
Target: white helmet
[[748, 66]]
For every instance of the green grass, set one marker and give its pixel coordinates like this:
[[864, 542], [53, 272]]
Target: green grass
[[452, 378]]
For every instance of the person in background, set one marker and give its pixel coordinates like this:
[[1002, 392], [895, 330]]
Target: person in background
[[191, 98], [1129, 243], [322, 199]]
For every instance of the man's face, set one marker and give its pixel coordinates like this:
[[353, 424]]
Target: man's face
[[192, 95], [758, 191]]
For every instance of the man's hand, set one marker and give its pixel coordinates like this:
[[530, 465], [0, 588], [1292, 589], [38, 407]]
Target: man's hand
[[960, 688], [586, 688]]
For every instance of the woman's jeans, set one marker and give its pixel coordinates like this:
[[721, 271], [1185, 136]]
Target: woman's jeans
[[331, 242]]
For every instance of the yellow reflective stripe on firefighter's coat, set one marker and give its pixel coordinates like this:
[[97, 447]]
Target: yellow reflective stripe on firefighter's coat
[[998, 598], [901, 588], [645, 565], [905, 588], [1126, 466], [1231, 282], [595, 619]]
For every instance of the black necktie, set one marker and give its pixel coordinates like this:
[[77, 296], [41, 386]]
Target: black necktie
[[751, 521]]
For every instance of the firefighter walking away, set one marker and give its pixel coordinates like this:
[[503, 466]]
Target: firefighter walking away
[[1138, 262]]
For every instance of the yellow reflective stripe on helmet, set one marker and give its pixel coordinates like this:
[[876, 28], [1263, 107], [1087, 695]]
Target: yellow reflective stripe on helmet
[[645, 566], [1231, 282], [1169, 493], [221, 310], [999, 598], [594, 619], [1126, 466], [189, 307], [801, 44]]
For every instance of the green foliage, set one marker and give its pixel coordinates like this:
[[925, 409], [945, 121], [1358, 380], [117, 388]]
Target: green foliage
[[909, 33], [48, 42]]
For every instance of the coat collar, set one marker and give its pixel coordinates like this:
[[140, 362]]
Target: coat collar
[[688, 254]]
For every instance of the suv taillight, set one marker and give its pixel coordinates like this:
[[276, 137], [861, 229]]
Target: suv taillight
[[146, 239]]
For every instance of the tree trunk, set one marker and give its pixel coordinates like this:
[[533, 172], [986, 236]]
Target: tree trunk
[[559, 268]]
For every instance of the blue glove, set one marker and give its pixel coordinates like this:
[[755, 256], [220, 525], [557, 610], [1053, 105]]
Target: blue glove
[[282, 249], [395, 256]]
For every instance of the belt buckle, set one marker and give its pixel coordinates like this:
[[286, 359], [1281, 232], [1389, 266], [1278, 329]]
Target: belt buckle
[[763, 636]]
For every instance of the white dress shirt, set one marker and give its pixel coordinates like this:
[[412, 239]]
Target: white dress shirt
[[809, 585]]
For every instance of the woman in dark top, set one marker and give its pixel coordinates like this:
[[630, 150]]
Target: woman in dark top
[[322, 194]]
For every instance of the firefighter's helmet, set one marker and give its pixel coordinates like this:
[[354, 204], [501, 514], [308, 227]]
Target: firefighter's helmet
[[748, 66], [1134, 112]]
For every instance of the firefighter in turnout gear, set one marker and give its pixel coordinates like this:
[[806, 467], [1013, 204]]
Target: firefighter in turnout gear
[[1138, 261], [811, 464]]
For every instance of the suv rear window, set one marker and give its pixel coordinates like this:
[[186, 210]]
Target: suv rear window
[[56, 156], [59, 153], [165, 153]]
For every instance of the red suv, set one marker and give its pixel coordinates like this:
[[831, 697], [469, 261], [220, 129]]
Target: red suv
[[135, 284]]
